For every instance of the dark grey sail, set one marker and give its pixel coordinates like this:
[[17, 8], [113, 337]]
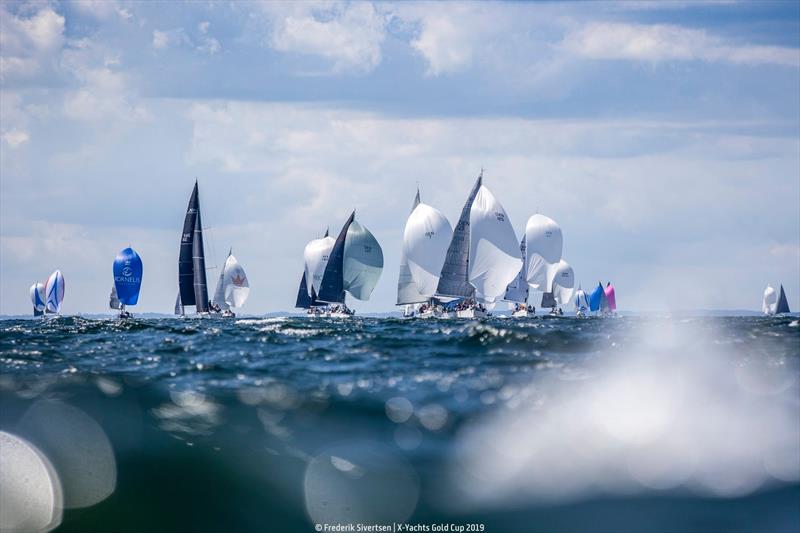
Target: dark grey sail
[[185, 262], [548, 300], [454, 281], [199, 267], [303, 299], [331, 289], [783, 305]]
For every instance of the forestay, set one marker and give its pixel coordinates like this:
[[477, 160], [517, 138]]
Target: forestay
[[494, 255]]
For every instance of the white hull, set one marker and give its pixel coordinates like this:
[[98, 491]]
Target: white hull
[[471, 313], [522, 313]]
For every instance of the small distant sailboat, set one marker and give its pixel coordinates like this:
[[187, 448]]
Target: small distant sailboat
[[54, 293], [518, 290], [562, 284], [581, 303], [192, 287], [774, 303], [426, 237], [354, 265], [233, 288], [611, 298], [544, 247], [597, 300], [127, 281], [38, 298], [483, 256]]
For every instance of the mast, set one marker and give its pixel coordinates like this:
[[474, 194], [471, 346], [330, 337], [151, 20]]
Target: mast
[[454, 280]]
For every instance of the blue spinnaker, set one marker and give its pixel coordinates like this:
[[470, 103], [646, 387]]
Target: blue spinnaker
[[128, 276], [596, 298]]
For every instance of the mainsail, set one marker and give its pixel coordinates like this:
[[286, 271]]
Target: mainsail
[[179, 305], [113, 299], [54, 292], [232, 286], [518, 289], [494, 255], [303, 299], [38, 298], [127, 276], [783, 305], [426, 238], [544, 245], [331, 288], [768, 304], [192, 262], [454, 280], [548, 300]]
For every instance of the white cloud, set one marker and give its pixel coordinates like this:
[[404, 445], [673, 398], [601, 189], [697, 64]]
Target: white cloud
[[170, 38], [15, 138], [102, 9], [445, 44], [664, 42], [27, 44], [350, 35]]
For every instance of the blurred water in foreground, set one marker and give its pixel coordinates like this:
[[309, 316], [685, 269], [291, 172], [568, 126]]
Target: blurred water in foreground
[[627, 424]]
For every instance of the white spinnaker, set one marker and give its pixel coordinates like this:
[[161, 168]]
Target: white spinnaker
[[581, 300], [494, 256], [54, 291], [37, 296], [544, 244], [237, 286], [563, 282], [316, 258], [425, 240], [770, 301], [363, 261]]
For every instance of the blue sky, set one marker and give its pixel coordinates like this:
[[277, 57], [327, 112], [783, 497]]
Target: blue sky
[[663, 137]]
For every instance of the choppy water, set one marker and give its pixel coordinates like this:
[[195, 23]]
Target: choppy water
[[276, 424]]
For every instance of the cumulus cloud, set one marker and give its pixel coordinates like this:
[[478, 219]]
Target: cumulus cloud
[[163, 39], [29, 43], [665, 42], [102, 9], [14, 138], [348, 35]]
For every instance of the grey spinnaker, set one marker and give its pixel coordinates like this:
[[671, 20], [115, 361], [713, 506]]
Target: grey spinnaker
[[363, 261], [454, 280]]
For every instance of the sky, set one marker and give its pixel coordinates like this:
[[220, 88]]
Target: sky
[[664, 138]]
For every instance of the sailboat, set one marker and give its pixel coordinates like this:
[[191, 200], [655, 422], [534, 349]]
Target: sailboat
[[774, 303], [192, 287], [562, 284], [518, 290], [38, 298], [598, 303], [544, 246], [315, 259], [483, 256], [233, 288], [611, 298], [127, 281], [54, 293], [581, 303], [426, 237], [354, 265]]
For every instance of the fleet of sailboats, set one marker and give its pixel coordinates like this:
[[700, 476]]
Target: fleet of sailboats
[[445, 271]]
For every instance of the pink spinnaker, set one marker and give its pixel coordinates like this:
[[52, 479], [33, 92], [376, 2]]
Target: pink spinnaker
[[611, 297]]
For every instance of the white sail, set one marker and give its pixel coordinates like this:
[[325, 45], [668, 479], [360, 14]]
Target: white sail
[[113, 299], [38, 296], [518, 290], [54, 291], [316, 258], [179, 305], [237, 287], [219, 293], [544, 244], [770, 301], [425, 240], [363, 262], [563, 282], [407, 290], [494, 255], [581, 300]]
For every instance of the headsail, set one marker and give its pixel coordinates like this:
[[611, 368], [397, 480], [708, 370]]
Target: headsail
[[38, 298], [494, 255], [192, 262], [544, 245], [782, 305], [454, 281], [179, 305], [563, 282], [54, 292], [425, 241], [128, 276], [611, 296], [769, 302], [331, 288], [303, 300], [363, 261], [518, 289]]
